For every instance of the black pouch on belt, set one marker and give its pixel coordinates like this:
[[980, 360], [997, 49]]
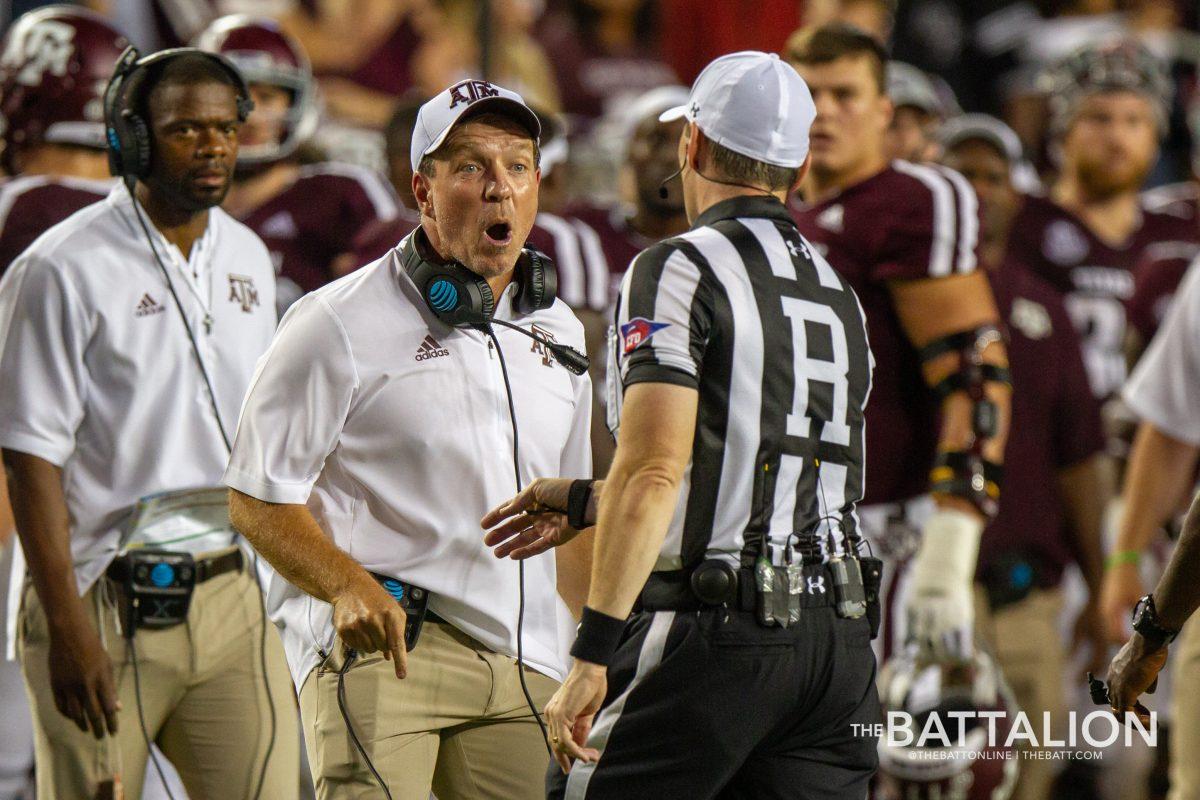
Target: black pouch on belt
[[872, 578], [156, 587], [413, 599]]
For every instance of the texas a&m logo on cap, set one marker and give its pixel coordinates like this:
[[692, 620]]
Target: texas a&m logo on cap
[[638, 331], [470, 91]]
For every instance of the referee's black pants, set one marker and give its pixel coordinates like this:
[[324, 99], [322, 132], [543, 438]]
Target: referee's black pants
[[708, 704]]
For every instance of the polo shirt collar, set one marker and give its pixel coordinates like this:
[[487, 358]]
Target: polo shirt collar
[[765, 206]]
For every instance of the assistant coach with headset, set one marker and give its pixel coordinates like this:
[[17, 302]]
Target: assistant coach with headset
[[128, 336], [727, 521], [391, 411]]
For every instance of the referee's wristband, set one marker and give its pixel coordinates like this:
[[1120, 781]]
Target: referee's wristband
[[577, 502], [1123, 557], [598, 637]]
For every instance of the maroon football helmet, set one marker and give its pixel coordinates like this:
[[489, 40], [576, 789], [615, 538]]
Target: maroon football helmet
[[973, 768], [265, 54], [56, 62]]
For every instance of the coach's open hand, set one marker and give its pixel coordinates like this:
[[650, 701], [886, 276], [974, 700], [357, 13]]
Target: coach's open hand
[[536, 520], [569, 713], [367, 619]]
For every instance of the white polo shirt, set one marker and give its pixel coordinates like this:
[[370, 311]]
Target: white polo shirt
[[99, 376], [1164, 385], [394, 429]]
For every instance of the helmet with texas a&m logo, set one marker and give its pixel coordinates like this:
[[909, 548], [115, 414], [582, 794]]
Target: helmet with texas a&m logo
[[978, 766], [54, 66], [270, 60]]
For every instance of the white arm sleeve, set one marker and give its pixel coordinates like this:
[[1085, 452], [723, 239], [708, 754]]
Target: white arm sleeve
[[1164, 386], [296, 406], [44, 332]]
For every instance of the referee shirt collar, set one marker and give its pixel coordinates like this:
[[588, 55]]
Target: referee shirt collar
[[743, 206]]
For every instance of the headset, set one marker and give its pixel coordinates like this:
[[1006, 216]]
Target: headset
[[130, 150], [130, 145], [461, 298]]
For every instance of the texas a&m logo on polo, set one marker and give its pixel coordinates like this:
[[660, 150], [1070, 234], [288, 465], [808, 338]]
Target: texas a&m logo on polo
[[470, 91], [540, 348], [242, 291]]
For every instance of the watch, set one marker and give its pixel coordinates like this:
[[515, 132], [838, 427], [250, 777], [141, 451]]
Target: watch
[[1145, 622]]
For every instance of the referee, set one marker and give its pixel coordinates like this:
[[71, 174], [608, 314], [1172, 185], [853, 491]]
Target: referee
[[744, 369]]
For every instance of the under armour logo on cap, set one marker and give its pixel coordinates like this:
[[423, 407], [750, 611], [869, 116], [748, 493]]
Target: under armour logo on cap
[[470, 91]]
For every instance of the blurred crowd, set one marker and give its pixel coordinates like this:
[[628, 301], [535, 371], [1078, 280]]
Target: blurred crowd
[[982, 86]]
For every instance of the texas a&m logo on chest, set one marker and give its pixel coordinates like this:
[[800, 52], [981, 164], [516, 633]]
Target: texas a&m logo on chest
[[242, 292], [470, 91]]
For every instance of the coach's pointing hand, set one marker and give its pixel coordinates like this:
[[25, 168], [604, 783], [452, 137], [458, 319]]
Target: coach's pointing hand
[[367, 619], [569, 713]]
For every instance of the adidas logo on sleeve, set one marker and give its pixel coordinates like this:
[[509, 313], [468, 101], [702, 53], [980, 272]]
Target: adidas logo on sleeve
[[430, 349]]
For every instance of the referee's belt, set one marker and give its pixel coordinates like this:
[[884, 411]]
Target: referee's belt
[[676, 590]]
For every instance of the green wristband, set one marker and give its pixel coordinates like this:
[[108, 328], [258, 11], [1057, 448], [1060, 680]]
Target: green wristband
[[1123, 557]]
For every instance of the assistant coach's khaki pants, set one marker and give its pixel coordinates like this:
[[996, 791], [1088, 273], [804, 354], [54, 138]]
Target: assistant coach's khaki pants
[[1031, 655], [458, 724], [202, 696]]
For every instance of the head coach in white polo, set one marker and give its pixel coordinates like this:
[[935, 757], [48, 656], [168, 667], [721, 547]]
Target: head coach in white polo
[[375, 435]]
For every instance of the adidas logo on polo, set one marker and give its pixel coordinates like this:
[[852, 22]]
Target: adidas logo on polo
[[147, 306], [430, 349]]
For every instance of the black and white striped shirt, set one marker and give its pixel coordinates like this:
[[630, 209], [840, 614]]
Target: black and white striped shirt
[[744, 310]]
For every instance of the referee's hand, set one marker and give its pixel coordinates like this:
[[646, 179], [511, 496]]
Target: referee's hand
[[368, 619], [570, 712]]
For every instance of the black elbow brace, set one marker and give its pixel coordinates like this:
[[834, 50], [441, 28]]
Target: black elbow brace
[[966, 473]]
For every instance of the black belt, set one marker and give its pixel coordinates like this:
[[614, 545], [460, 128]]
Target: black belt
[[206, 568], [671, 590]]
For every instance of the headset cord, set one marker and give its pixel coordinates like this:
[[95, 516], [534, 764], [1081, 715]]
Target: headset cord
[[512, 415], [212, 396], [137, 694], [351, 655]]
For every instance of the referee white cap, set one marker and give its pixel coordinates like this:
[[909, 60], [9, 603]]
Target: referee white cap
[[753, 104], [460, 102]]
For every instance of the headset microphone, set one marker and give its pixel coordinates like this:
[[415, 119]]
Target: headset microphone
[[662, 187], [566, 355]]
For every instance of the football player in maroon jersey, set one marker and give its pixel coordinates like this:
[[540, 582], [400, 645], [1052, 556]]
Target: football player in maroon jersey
[[306, 214], [55, 64], [1054, 487], [1086, 236], [905, 237]]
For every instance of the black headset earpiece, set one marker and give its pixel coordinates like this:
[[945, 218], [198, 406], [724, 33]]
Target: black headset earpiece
[[537, 281], [459, 297], [130, 145]]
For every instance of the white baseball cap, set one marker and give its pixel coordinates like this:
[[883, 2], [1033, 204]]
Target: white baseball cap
[[461, 101], [753, 104]]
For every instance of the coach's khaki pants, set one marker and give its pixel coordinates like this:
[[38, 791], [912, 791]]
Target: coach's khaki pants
[[202, 695], [458, 724], [1031, 654], [1185, 714]]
